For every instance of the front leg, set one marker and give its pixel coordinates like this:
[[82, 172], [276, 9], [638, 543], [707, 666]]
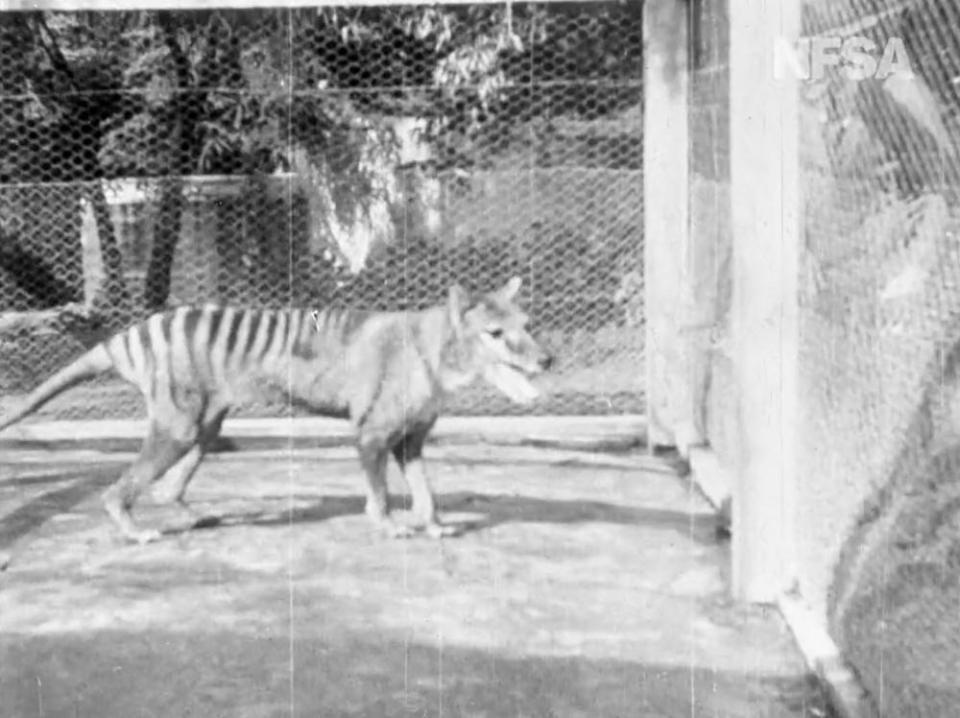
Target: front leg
[[409, 454], [373, 458], [424, 506]]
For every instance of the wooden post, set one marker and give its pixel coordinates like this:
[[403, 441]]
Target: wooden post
[[665, 212], [764, 331]]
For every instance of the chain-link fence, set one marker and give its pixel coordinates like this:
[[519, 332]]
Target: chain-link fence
[[880, 318], [364, 156]]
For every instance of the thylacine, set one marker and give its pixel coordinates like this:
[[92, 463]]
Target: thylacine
[[387, 372]]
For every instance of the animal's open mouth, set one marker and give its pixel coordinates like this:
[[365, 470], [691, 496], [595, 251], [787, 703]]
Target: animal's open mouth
[[511, 381]]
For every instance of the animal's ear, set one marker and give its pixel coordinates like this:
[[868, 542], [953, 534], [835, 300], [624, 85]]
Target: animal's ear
[[511, 288], [458, 302]]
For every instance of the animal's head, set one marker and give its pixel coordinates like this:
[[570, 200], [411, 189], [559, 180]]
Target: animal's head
[[493, 340]]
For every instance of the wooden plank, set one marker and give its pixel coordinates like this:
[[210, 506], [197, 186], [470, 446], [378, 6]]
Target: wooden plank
[[665, 215], [599, 433], [764, 117]]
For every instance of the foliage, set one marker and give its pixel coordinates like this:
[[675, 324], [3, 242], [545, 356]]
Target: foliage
[[122, 75], [89, 95]]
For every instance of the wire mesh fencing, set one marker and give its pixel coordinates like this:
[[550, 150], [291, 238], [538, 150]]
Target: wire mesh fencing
[[880, 321], [339, 156]]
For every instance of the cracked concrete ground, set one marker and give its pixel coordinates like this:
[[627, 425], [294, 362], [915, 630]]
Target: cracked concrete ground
[[586, 585]]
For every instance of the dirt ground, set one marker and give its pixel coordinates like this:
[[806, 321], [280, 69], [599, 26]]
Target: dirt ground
[[584, 585]]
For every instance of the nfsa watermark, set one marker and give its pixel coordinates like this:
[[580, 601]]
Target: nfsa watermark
[[857, 58]]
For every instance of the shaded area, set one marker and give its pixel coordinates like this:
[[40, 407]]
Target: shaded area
[[896, 588], [489, 509], [584, 590], [172, 673], [900, 626], [32, 274], [492, 510], [32, 514], [878, 325]]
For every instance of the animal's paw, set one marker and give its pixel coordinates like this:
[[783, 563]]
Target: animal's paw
[[397, 531], [164, 492], [144, 536], [438, 531]]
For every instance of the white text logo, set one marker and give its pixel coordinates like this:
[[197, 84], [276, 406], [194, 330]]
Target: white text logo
[[858, 58]]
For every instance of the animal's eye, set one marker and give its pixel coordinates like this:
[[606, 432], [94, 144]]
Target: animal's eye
[[495, 333]]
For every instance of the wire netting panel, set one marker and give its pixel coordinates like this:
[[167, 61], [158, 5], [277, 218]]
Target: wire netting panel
[[360, 156], [880, 317]]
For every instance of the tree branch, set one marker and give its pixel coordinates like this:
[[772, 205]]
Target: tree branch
[[52, 50]]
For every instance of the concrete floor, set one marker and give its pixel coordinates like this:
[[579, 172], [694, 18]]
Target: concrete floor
[[586, 585]]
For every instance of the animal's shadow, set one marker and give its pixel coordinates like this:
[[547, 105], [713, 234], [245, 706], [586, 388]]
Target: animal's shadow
[[489, 509]]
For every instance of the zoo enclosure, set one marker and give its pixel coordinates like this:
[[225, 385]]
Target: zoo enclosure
[[818, 320], [358, 155]]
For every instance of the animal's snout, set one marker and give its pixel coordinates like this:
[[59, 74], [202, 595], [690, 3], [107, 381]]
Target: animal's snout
[[545, 362]]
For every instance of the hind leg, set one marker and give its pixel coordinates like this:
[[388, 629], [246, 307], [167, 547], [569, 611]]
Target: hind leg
[[173, 485], [162, 449]]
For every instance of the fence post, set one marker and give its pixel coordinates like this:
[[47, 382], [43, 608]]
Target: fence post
[[665, 215], [764, 168]]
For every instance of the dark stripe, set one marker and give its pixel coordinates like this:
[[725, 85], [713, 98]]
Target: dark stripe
[[167, 333], [270, 329], [362, 419], [293, 328], [252, 334], [323, 319], [147, 344], [283, 318], [216, 316], [125, 348], [190, 322], [165, 326], [303, 346], [142, 332], [340, 325], [369, 407], [234, 329], [350, 322]]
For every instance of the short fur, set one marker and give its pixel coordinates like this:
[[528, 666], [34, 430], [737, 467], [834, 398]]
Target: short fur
[[386, 372]]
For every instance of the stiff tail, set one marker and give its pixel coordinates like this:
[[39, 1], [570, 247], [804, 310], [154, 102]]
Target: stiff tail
[[96, 361]]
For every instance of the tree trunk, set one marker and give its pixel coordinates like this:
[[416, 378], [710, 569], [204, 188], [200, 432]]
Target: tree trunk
[[166, 235], [112, 308], [113, 304], [184, 113]]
